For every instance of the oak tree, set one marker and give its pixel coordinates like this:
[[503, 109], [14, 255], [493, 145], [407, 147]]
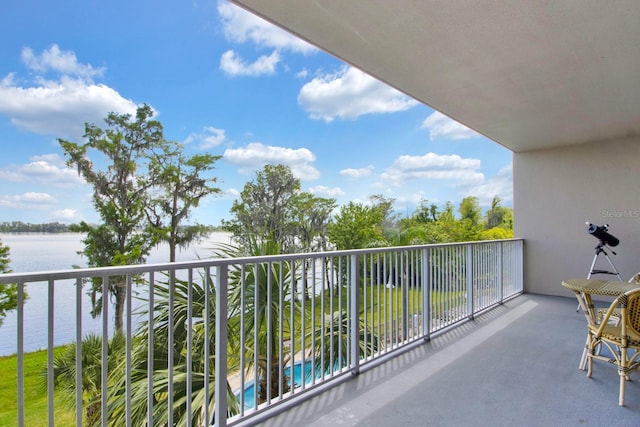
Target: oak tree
[[116, 174]]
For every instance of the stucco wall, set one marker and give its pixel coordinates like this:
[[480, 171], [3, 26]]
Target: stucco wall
[[557, 190]]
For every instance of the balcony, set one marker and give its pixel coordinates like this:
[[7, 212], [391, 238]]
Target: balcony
[[516, 365], [428, 330]]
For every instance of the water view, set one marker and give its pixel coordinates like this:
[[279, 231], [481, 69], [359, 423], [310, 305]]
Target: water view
[[31, 252]]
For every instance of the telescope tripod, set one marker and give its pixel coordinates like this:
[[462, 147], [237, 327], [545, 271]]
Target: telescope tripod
[[600, 250], [614, 271]]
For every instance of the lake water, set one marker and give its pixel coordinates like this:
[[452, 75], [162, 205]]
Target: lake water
[[31, 252]]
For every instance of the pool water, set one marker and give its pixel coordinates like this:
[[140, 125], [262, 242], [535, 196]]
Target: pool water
[[298, 378]]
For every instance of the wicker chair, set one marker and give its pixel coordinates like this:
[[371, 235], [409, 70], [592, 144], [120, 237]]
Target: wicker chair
[[618, 338]]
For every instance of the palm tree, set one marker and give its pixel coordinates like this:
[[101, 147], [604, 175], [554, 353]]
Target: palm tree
[[178, 376], [332, 349], [257, 294], [64, 371]]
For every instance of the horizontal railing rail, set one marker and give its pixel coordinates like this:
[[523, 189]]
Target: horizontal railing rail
[[216, 341]]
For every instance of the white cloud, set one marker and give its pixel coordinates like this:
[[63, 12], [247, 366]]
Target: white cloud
[[357, 173], [433, 166], [410, 200], [255, 155], [51, 158], [233, 65], [323, 191], [349, 94], [209, 137], [48, 169], [27, 200], [61, 106], [241, 26], [501, 185], [64, 215], [64, 62], [440, 125], [231, 193]]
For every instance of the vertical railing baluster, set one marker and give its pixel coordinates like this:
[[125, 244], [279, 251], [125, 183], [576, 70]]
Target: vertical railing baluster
[[303, 317], [221, 346], [189, 343], [404, 286], [207, 347], [385, 321], [330, 265], [128, 407], [281, 279], [20, 351], [170, 348], [370, 287], [313, 326], [292, 318], [475, 269], [355, 314], [340, 305], [425, 282], [79, 412], [256, 337], [323, 295], [50, 347], [470, 289], [150, 349], [243, 337], [382, 343], [394, 299], [105, 347], [270, 337]]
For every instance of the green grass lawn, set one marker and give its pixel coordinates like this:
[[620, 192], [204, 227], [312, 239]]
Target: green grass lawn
[[35, 396]]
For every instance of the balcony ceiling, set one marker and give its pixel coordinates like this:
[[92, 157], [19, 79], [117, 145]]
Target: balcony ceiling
[[528, 75]]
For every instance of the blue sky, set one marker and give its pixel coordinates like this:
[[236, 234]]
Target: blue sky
[[224, 82]]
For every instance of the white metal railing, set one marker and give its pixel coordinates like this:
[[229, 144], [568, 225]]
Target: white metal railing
[[221, 340]]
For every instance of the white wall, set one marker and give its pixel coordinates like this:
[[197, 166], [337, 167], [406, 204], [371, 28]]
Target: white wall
[[557, 190]]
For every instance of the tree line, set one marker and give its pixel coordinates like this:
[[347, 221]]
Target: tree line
[[27, 227], [273, 207]]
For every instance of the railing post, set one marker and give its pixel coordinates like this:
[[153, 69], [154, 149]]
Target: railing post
[[221, 346], [354, 282], [426, 295], [521, 266], [500, 274], [470, 293], [403, 280]]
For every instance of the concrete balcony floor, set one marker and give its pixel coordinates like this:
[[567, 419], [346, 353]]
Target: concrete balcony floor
[[516, 365]]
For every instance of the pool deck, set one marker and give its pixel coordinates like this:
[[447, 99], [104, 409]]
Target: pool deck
[[516, 365]]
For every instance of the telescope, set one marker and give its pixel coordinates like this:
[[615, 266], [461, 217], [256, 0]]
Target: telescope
[[601, 232]]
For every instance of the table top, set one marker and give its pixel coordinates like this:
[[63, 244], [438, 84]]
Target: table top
[[611, 288]]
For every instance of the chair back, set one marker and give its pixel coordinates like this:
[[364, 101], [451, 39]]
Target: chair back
[[633, 311]]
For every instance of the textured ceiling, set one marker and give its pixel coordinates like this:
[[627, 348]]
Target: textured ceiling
[[527, 75]]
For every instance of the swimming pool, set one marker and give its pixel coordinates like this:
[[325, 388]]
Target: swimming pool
[[298, 378]]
